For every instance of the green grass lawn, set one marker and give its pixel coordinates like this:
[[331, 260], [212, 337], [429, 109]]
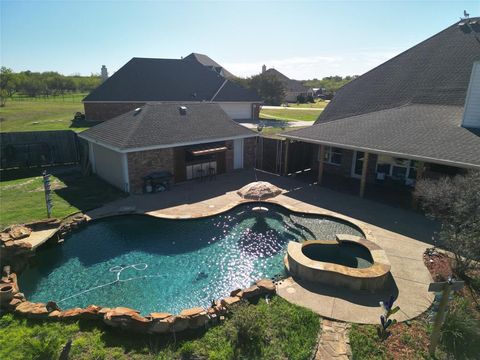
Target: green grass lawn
[[278, 330], [319, 104], [290, 114], [23, 200], [41, 114]]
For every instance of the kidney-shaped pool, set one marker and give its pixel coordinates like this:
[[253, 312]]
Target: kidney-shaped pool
[[152, 264]]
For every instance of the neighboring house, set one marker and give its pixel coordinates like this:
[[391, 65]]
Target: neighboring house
[[416, 115], [293, 88], [144, 80], [210, 63], [187, 140]]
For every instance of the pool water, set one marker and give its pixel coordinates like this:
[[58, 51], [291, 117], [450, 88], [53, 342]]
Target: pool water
[[152, 264], [345, 253]]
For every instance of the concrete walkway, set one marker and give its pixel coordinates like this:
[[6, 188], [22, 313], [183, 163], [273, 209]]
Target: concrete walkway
[[404, 235]]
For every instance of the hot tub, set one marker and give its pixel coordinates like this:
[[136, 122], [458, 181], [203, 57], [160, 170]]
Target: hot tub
[[350, 261]]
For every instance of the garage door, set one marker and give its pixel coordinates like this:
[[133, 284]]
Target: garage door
[[238, 111]]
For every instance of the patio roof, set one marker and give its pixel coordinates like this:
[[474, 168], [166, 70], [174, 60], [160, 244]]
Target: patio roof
[[430, 133]]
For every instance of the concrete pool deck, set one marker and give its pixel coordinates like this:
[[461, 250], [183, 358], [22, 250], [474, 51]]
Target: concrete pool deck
[[403, 234]]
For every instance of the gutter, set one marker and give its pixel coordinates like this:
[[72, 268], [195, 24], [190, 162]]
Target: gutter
[[385, 152]]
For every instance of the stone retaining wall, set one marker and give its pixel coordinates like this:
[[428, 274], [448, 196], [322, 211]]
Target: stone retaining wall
[[126, 318]]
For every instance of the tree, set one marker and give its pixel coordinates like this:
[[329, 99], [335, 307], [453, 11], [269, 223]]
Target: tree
[[7, 84], [269, 87], [455, 202]]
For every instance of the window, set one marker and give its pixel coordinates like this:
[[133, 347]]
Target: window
[[396, 168], [333, 155]]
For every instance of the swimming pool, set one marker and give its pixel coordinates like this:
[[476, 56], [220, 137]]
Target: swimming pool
[[152, 264]]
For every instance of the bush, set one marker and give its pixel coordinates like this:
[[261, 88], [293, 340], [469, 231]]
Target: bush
[[455, 202], [301, 99], [460, 334]]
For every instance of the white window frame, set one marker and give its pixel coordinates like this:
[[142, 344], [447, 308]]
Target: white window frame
[[328, 156], [410, 165]]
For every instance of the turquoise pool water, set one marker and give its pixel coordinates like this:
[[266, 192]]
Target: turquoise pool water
[[154, 264]]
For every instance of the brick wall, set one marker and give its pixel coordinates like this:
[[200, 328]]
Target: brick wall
[[105, 111], [249, 146], [142, 163], [345, 168]]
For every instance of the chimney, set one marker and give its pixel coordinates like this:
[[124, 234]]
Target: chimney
[[471, 113], [104, 73], [264, 68]]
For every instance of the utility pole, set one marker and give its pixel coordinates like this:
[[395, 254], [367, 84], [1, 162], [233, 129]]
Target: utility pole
[[446, 288], [48, 193]]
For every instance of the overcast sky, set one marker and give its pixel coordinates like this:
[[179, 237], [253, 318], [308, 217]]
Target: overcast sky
[[302, 39]]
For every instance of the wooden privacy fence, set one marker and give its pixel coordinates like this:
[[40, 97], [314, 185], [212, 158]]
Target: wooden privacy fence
[[36, 148]]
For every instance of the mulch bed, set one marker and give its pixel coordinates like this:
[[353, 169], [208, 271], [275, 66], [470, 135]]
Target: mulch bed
[[438, 264]]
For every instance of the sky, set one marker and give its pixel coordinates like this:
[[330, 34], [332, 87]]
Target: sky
[[302, 39]]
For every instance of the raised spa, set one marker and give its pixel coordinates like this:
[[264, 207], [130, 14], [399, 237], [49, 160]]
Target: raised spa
[[165, 265], [349, 261]]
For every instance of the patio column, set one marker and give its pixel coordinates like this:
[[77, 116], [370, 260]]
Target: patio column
[[363, 179], [321, 156], [420, 172], [285, 163]]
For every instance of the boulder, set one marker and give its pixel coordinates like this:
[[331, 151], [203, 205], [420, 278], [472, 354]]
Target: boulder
[[199, 320], [192, 312], [127, 319], [20, 296], [228, 301], [252, 292], [55, 314], [237, 292], [19, 232], [266, 285], [92, 312], [179, 323], [14, 303], [74, 313], [51, 306], [32, 310], [160, 323]]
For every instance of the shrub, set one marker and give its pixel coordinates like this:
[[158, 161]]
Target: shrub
[[460, 334], [455, 202]]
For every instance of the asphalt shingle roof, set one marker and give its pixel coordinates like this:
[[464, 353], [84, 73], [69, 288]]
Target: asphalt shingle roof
[[207, 61], [290, 85], [436, 71], [412, 104], [162, 124], [144, 79], [417, 130]]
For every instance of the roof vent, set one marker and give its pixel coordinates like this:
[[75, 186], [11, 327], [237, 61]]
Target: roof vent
[[137, 110], [183, 110]]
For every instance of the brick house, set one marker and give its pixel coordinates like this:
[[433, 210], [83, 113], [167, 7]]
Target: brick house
[[415, 115], [186, 140], [194, 79]]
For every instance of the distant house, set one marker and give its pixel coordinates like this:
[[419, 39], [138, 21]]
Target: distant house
[[193, 79], [416, 115], [187, 140], [293, 88]]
